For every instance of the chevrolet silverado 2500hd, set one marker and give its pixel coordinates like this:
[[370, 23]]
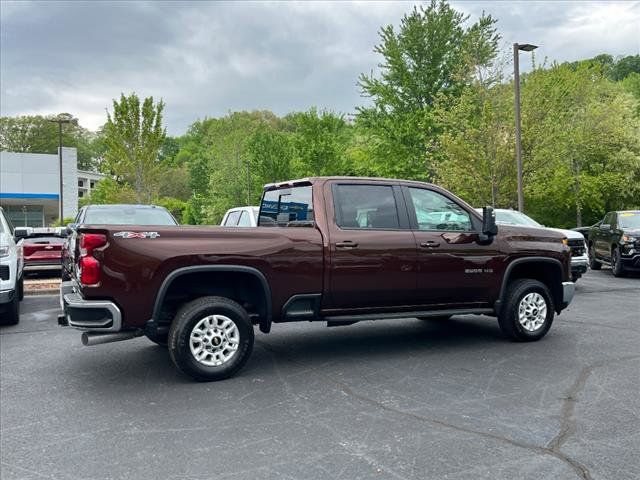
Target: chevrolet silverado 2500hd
[[333, 249]]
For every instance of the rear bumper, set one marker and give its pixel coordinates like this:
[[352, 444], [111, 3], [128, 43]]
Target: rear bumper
[[36, 267], [88, 315], [568, 291]]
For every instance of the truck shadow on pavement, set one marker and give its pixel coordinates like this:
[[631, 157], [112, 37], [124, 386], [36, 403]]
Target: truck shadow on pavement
[[305, 346]]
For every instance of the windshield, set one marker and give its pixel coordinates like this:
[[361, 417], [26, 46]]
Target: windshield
[[512, 217], [287, 207], [629, 219], [128, 216]]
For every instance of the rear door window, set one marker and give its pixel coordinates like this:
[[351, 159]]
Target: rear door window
[[366, 207]]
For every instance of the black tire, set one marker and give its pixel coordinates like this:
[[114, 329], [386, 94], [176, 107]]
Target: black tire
[[161, 339], [575, 277], [616, 264], [188, 317], [11, 314], [509, 317], [593, 263], [21, 289], [439, 318]]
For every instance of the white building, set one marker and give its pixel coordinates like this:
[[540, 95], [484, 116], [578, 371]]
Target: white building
[[30, 185]]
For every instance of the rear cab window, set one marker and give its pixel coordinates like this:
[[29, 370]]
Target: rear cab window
[[287, 207]]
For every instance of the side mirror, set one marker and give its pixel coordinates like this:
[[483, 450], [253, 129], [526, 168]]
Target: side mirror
[[19, 233], [489, 226], [71, 228]]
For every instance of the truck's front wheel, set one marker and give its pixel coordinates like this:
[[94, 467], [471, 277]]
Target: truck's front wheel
[[210, 338], [528, 311]]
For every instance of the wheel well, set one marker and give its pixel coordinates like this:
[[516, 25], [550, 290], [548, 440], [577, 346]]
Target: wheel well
[[549, 273], [245, 288]]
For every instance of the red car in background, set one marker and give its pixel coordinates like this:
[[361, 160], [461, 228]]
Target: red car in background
[[41, 248]]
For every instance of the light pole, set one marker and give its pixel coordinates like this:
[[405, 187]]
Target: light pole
[[525, 47], [60, 120]]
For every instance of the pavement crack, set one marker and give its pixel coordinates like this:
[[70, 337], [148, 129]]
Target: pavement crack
[[553, 448]]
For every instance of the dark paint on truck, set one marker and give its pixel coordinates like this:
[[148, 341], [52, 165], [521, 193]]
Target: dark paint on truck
[[322, 271]]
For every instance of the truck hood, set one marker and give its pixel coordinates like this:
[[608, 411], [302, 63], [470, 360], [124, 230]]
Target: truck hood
[[4, 239], [570, 234]]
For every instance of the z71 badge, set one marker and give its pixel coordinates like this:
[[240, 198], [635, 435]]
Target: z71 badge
[[137, 234]]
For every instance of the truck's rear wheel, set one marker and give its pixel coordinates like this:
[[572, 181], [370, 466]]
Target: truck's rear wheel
[[211, 338], [528, 311]]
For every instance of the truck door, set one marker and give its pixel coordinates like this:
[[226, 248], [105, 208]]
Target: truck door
[[453, 268], [372, 249], [602, 240]]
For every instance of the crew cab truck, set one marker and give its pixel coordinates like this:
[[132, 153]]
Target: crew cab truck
[[334, 249]]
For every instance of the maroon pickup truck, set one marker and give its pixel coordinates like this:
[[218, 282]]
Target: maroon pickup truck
[[338, 250]]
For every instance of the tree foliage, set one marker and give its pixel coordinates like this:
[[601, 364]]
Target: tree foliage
[[433, 52], [133, 136], [38, 134]]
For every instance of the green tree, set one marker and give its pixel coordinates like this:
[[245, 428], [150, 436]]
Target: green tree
[[37, 134], [432, 53], [133, 136], [319, 139]]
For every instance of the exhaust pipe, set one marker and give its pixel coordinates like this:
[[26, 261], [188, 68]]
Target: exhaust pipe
[[96, 338]]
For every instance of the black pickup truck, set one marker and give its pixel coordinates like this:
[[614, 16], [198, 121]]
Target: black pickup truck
[[615, 240]]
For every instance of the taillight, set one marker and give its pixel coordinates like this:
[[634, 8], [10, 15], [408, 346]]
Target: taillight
[[89, 266]]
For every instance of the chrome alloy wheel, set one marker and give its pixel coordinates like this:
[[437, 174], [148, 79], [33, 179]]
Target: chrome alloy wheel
[[214, 340], [532, 311]]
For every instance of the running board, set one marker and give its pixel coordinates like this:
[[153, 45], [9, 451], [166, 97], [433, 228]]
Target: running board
[[428, 313]]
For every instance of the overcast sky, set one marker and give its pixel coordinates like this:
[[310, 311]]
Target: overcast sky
[[205, 59]]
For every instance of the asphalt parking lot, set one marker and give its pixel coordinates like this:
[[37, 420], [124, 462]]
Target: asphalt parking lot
[[402, 399]]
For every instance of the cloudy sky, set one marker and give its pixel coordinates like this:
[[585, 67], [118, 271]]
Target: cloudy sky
[[205, 59]]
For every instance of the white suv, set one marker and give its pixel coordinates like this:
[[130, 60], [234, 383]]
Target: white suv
[[11, 281]]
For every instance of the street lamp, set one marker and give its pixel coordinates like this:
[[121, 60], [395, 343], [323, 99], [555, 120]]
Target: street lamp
[[525, 47], [60, 120]]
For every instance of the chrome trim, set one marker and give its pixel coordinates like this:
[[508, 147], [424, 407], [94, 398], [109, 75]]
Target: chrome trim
[[35, 267], [568, 291], [75, 300], [66, 287]]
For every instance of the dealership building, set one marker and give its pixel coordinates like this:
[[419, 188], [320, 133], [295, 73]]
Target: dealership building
[[30, 186]]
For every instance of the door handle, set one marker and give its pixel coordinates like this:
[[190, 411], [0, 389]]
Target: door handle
[[346, 244], [429, 244]]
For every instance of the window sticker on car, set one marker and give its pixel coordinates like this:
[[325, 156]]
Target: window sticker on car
[[628, 214], [137, 234]]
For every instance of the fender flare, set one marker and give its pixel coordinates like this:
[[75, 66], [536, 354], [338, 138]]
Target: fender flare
[[515, 263], [265, 322]]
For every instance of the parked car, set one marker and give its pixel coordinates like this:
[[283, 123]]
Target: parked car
[[11, 276], [583, 230], [41, 247], [241, 217], [575, 240], [201, 289], [113, 214], [615, 240]]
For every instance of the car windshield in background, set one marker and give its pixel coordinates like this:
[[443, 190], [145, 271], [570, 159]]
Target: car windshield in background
[[128, 216], [515, 218], [629, 220], [287, 207]]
